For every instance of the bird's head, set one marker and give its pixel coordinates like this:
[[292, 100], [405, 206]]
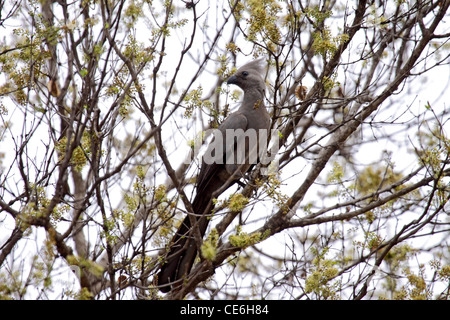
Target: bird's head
[[249, 76]]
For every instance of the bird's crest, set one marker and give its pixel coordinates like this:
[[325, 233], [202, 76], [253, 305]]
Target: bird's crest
[[259, 65]]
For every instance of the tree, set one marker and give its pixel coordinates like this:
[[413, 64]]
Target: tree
[[103, 102]]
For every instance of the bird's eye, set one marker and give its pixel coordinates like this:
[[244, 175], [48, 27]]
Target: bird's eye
[[244, 73]]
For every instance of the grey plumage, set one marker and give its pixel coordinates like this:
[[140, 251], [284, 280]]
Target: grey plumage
[[214, 178]]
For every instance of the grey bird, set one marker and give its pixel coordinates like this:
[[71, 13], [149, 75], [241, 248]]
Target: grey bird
[[214, 178]]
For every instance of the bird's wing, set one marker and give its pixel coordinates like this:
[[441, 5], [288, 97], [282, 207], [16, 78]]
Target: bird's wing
[[235, 120]]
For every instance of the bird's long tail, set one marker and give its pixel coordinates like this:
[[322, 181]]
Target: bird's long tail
[[183, 248]]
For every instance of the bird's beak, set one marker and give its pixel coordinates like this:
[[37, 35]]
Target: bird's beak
[[232, 80]]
